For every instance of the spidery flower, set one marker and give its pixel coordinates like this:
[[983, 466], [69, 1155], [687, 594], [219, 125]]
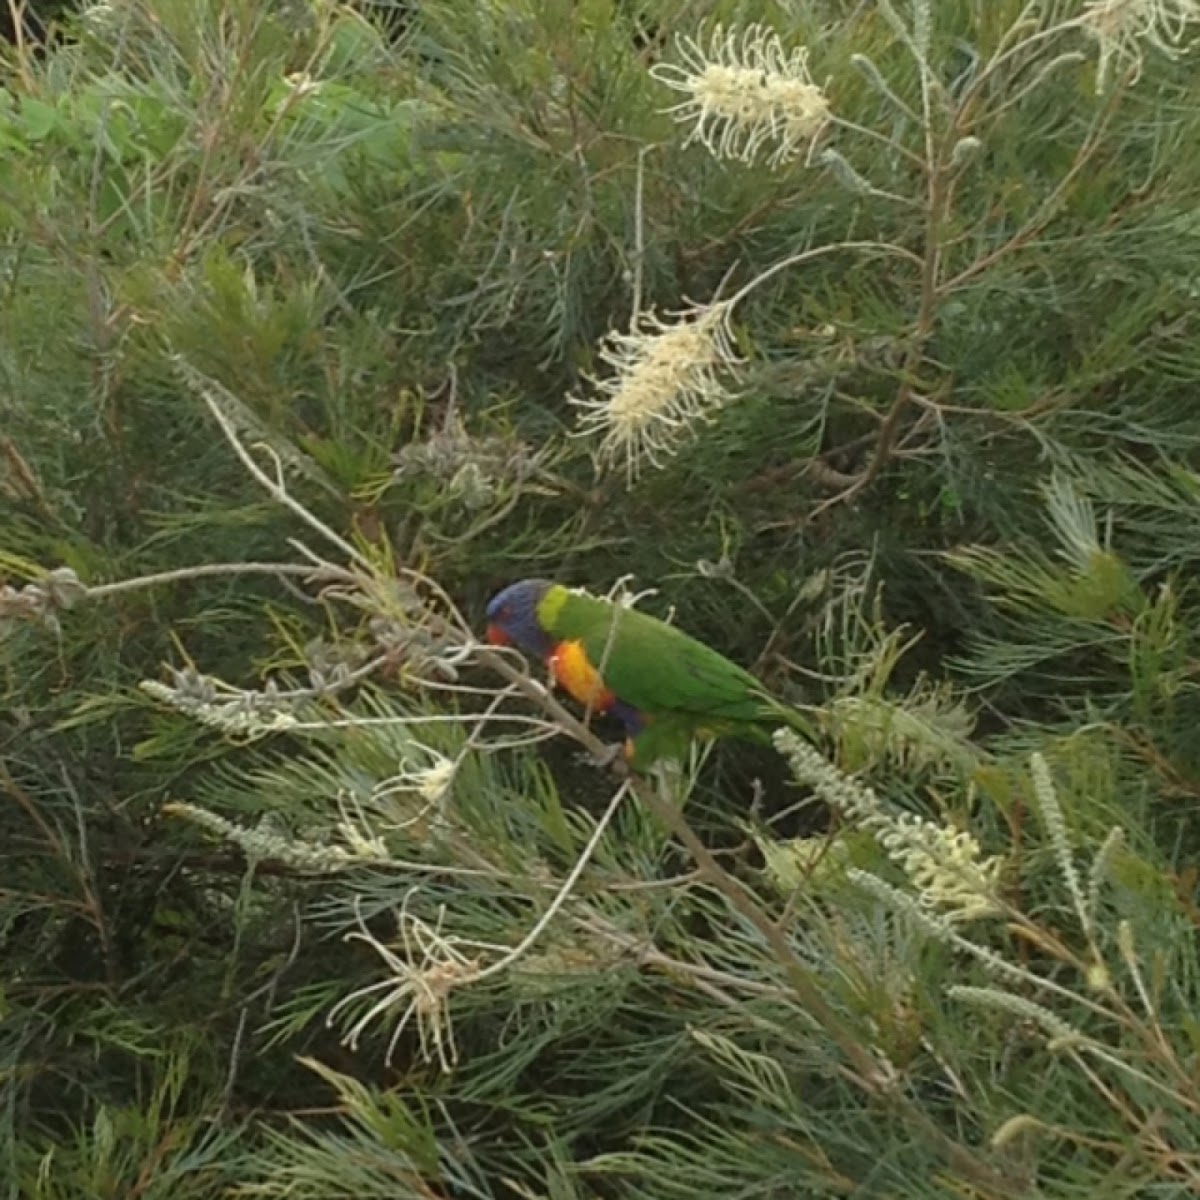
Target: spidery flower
[[430, 781], [665, 379], [744, 92], [1122, 26], [946, 866], [423, 970], [433, 782]]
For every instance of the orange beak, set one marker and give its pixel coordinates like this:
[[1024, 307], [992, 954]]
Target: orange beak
[[497, 637]]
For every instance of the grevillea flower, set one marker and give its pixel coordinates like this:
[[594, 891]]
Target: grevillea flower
[[1122, 27], [946, 866], [744, 92], [430, 780], [423, 969], [665, 378]]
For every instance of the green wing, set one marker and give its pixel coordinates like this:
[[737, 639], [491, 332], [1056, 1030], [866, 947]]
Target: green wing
[[655, 667]]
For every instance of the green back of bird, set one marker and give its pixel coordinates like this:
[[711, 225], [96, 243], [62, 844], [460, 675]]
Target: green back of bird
[[651, 665]]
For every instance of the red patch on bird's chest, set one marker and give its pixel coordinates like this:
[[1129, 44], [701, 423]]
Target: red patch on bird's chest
[[574, 673]]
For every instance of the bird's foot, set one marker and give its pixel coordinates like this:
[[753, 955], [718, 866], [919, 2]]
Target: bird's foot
[[605, 758]]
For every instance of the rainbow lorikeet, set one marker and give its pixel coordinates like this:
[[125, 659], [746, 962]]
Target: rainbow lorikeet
[[665, 686]]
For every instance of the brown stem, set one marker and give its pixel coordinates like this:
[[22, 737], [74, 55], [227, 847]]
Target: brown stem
[[866, 1072]]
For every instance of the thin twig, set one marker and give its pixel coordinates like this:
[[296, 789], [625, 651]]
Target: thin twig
[[314, 574], [502, 964], [274, 487]]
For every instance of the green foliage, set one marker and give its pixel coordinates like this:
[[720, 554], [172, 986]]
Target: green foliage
[[298, 896]]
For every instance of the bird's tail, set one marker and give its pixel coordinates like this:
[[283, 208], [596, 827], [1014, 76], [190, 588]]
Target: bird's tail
[[777, 713]]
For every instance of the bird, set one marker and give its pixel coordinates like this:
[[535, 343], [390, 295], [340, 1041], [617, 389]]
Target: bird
[[665, 686]]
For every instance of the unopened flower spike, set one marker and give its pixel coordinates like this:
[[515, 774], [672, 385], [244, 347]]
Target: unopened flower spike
[[1122, 27], [744, 92]]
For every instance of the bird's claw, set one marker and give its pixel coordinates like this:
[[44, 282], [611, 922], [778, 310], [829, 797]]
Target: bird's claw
[[604, 758]]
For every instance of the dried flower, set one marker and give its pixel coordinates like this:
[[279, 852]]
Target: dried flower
[[41, 602], [665, 380], [332, 665], [1122, 26], [476, 466], [424, 973], [746, 90]]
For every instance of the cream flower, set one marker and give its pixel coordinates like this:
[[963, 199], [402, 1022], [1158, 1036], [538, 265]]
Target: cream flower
[[946, 866], [665, 379], [430, 780], [1122, 26], [423, 970], [746, 91]]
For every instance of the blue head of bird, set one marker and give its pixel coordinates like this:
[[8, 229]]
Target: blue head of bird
[[513, 618]]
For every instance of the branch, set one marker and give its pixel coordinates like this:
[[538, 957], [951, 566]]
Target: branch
[[310, 573]]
